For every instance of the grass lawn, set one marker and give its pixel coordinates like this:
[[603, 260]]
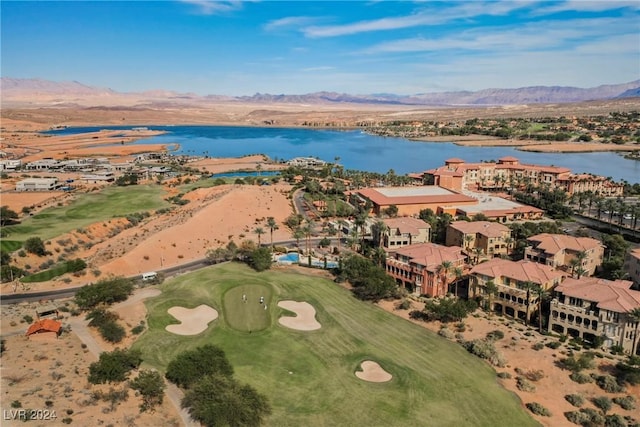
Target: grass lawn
[[88, 209], [309, 376]]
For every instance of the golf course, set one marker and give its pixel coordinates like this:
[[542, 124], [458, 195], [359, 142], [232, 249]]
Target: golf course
[[309, 376]]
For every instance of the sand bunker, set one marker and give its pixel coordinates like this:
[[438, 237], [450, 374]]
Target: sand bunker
[[305, 319], [373, 372], [194, 320]]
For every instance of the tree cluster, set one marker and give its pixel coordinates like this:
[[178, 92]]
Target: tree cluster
[[212, 396], [114, 366], [107, 291], [127, 179], [446, 310], [7, 216], [370, 282]]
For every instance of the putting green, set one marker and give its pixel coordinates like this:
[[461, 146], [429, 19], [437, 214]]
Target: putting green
[[249, 315]]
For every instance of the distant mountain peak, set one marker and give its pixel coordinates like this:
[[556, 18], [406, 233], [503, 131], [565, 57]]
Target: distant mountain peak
[[39, 91]]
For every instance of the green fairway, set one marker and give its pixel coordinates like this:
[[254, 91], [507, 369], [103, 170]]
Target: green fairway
[[309, 376], [88, 209], [249, 315]]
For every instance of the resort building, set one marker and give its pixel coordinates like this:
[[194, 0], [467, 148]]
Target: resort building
[[632, 265], [38, 184], [419, 267], [306, 162], [576, 255], [515, 282], [508, 172], [98, 177], [480, 238], [405, 231], [10, 165], [410, 200], [591, 308]]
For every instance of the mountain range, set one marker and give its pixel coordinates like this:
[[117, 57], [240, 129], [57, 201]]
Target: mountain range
[[16, 91]]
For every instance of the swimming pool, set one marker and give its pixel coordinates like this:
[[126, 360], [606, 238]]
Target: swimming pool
[[294, 258]]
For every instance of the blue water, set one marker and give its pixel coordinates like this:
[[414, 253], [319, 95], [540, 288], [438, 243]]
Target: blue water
[[295, 257], [242, 174], [291, 257], [358, 150]]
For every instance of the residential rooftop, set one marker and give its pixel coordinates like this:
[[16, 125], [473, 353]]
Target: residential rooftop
[[554, 243], [613, 295], [522, 271], [486, 228]]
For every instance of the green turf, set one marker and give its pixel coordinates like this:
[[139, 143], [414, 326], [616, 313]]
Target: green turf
[[88, 209], [309, 376], [43, 276], [10, 245], [249, 315]]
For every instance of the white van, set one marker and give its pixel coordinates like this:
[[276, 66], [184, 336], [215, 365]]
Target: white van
[[149, 276]]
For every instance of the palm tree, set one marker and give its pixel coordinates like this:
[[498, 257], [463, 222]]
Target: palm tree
[[443, 271], [634, 315], [542, 294], [378, 229], [477, 252], [468, 238], [308, 231], [297, 234], [273, 225], [458, 273], [341, 224], [491, 289], [259, 231], [528, 287]]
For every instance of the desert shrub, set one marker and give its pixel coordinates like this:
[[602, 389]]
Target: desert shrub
[[576, 400], [446, 333], [485, 349], [581, 378], [449, 310], [538, 409], [585, 417], [608, 383], [504, 375], [16, 404], [404, 305], [629, 372], [537, 346], [461, 327], [27, 318], [190, 366], [114, 366], [585, 361], [106, 323], [113, 396], [603, 403], [35, 245], [534, 375], [418, 315], [524, 385], [615, 420], [627, 402], [495, 335], [137, 329], [151, 386]]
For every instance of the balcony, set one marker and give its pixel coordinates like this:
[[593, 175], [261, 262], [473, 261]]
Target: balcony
[[585, 311]]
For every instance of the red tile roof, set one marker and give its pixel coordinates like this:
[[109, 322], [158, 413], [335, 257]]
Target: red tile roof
[[522, 271], [44, 325], [406, 224], [431, 255], [554, 243], [613, 295], [382, 200], [486, 228]]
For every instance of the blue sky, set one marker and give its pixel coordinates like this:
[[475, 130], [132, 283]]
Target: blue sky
[[356, 47]]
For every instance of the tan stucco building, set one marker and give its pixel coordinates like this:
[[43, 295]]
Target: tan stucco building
[[559, 250], [491, 238]]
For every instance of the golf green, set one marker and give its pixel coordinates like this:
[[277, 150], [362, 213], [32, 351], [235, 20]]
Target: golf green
[[244, 310], [309, 376]]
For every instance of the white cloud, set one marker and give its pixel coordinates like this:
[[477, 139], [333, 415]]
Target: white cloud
[[533, 36], [423, 17], [585, 6], [320, 68], [290, 21], [213, 7]]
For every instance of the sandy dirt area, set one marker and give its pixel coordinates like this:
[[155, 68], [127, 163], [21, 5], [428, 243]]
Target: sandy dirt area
[[248, 163], [305, 318], [373, 372], [192, 320], [516, 346], [50, 374], [36, 199]]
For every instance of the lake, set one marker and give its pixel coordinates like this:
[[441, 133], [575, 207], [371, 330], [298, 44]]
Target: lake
[[358, 150]]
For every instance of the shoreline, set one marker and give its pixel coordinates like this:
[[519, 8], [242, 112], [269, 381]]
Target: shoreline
[[533, 145]]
